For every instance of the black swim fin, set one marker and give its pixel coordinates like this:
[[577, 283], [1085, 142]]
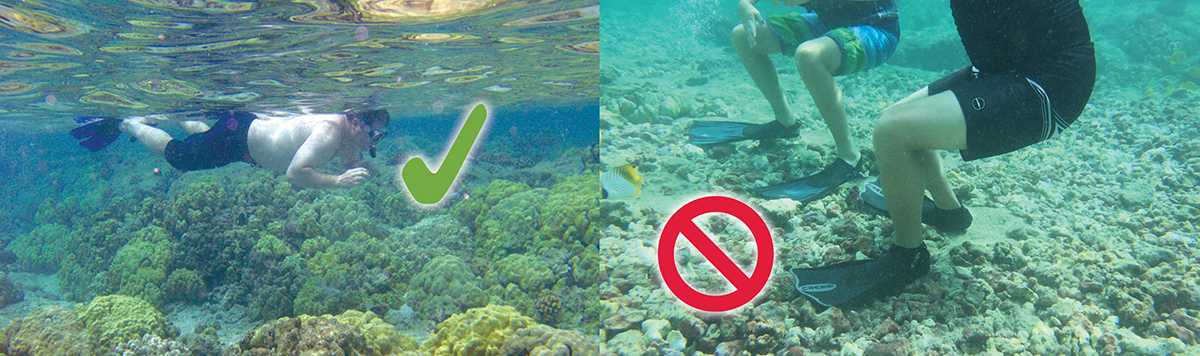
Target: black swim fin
[[96, 132], [816, 186], [708, 133], [705, 133], [953, 220], [847, 282]]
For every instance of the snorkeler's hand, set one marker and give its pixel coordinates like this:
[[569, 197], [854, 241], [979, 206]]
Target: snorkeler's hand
[[353, 177], [751, 19]]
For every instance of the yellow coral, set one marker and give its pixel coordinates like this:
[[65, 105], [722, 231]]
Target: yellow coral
[[381, 335], [1189, 85], [478, 332], [1194, 72], [1177, 57], [115, 319], [51, 330]]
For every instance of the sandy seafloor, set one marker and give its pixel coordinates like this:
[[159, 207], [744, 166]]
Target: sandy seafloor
[[1082, 245]]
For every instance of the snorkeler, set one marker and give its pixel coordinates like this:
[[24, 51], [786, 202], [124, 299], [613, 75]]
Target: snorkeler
[[837, 37], [1033, 70], [294, 146]]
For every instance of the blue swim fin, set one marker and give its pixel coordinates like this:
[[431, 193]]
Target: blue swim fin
[[816, 186], [96, 132]]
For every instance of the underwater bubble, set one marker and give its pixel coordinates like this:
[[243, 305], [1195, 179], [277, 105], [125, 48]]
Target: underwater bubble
[[438, 106], [51, 100], [361, 33]]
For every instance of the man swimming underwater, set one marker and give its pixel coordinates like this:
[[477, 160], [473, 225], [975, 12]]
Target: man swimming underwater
[[294, 146]]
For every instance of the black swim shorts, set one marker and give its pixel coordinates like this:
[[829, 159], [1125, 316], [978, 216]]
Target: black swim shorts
[[222, 144], [1006, 111]]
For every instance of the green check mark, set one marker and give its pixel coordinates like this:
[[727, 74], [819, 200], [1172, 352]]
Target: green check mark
[[429, 187]]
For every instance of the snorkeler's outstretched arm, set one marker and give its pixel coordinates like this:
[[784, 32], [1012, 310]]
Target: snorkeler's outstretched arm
[[319, 148]]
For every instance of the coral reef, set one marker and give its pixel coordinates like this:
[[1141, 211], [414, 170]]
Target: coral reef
[[43, 249], [542, 340], [559, 220], [115, 319], [380, 335], [139, 269], [527, 272], [351, 333], [477, 332], [9, 293], [48, 331], [151, 345], [306, 335], [184, 285], [444, 287]]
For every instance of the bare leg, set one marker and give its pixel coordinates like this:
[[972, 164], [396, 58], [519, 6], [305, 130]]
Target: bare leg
[[905, 138], [193, 127], [758, 64], [816, 60], [152, 137]]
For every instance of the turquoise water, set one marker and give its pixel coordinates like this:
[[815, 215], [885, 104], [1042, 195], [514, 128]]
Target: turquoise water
[[1081, 245], [201, 259], [64, 59]]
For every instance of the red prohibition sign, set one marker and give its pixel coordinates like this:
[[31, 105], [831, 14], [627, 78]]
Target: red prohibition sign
[[747, 287]]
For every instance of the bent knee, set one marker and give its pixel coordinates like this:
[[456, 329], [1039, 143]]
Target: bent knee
[[738, 36], [808, 53], [893, 126]]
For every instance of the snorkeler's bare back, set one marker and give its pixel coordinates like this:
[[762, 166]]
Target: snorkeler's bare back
[[273, 141]]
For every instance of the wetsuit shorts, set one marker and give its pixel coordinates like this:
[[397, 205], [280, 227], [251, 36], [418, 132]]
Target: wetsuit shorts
[[1006, 111], [863, 46], [222, 144]]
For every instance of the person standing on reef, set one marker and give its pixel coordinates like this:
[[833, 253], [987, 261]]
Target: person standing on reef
[[294, 146], [1033, 70], [836, 37]]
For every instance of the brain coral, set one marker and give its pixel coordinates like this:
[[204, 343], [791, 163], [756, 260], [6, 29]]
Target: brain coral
[[542, 340], [140, 267], [321, 335], [49, 331], [351, 333], [115, 319], [380, 335], [478, 332]]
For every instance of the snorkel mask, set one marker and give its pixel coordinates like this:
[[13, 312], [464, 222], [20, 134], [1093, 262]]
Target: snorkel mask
[[376, 121]]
